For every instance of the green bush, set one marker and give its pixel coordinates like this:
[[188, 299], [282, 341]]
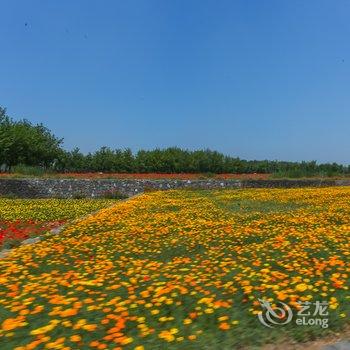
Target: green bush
[[28, 170]]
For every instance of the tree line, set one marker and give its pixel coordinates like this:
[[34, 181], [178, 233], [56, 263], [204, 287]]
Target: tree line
[[23, 143]]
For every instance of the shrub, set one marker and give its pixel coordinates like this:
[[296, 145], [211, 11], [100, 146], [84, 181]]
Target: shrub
[[28, 170]]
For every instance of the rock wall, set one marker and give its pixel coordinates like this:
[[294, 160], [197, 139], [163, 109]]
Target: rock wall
[[68, 188]]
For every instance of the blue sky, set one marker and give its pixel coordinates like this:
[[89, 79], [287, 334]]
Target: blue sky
[[254, 79]]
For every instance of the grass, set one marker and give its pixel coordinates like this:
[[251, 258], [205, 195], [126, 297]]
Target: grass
[[181, 270], [249, 205]]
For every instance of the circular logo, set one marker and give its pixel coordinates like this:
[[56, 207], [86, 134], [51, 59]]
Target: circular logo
[[277, 316]]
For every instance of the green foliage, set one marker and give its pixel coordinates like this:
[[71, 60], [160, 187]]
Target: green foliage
[[10, 243], [32, 150], [310, 169], [29, 170], [24, 143], [176, 160]]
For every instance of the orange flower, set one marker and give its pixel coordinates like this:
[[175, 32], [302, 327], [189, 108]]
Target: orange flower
[[9, 324], [224, 326], [75, 338], [68, 312], [94, 343]]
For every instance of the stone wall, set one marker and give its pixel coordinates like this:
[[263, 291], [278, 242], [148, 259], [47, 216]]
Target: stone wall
[[68, 188]]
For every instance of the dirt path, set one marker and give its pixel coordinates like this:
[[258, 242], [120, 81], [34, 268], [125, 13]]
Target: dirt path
[[336, 341]]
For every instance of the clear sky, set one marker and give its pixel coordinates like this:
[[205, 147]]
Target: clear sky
[[254, 79]]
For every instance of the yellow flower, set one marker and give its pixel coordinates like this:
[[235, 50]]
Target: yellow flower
[[43, 330], [127, 340], [166, 335], [223, 318], [301, 287], [209, 311]]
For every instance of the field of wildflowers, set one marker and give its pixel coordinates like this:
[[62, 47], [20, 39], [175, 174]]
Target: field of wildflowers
[[181, 270], [23, 218]]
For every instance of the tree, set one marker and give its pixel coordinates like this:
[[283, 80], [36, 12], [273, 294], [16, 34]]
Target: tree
[[24, 143], [5, 138]]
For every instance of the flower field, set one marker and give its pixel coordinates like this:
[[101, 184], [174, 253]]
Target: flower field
[[22, 218], [180, 270]]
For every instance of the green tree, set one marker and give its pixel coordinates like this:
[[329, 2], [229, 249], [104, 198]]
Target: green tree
[[24, 143]]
